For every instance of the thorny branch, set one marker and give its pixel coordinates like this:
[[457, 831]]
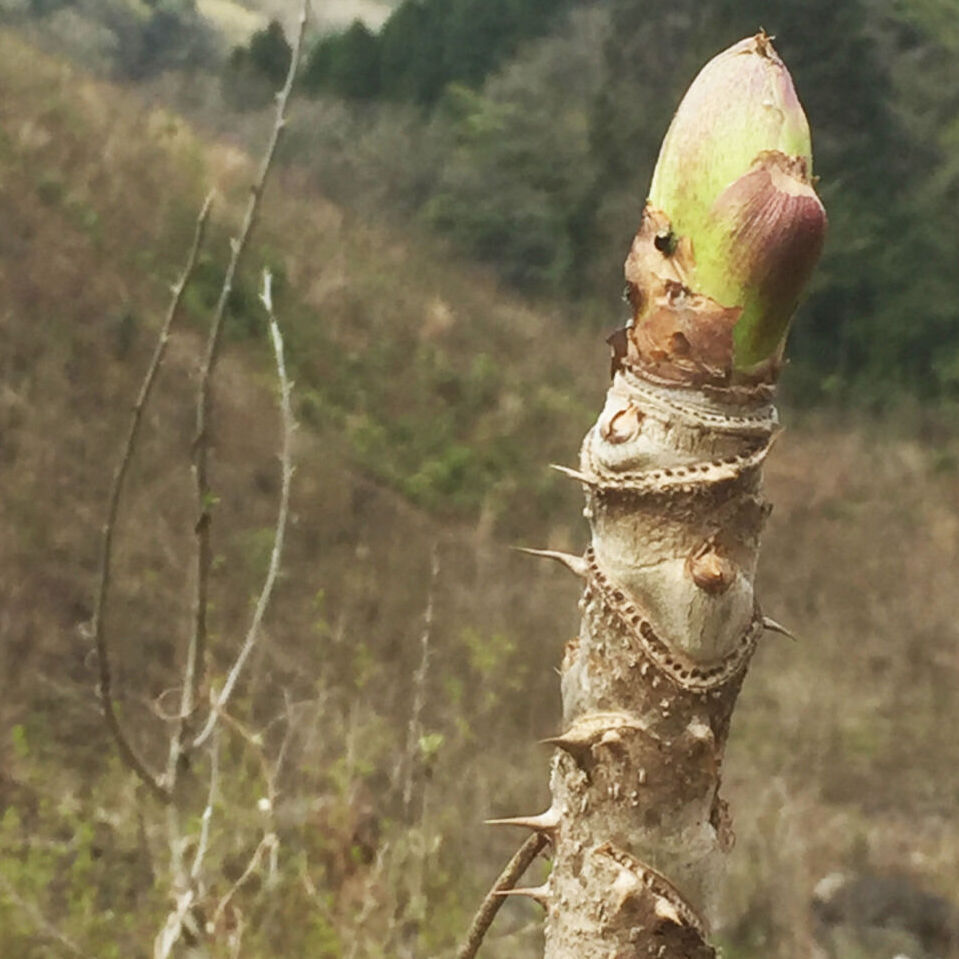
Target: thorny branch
[[269, 841], [196, 651], [127, 752], [490, 906]]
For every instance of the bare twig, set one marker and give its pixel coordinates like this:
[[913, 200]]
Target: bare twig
[[286, 470], [254, 740], [127, 752], [43, 925], [267, 843], [172, 929], [187, 885], [491, 904], [196, 651], [237, 935], [207, 816]]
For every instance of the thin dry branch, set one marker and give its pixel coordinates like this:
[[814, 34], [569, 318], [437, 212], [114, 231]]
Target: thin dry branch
[[490, 906], [207, 818], [188, 884], [196, 651], [266, 844], [127, 752], [172, 929], [286, 471], [254, 741]]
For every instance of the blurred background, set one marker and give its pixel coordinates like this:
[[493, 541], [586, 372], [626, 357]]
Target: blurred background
[[446, 229]]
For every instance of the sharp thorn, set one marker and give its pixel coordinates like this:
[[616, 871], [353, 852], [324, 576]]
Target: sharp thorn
[[575, 564], [666, 911], [773, 627], [545, 823], [573, 474], [576, 748], [539, 893], [557, 741]]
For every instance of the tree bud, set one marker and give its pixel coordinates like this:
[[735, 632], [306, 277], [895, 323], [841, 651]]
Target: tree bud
[[744, 226]]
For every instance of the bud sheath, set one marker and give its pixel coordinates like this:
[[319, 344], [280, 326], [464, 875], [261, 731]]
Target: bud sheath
[[732, 218]]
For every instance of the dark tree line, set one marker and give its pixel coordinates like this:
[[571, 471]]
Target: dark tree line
[[426, 45]]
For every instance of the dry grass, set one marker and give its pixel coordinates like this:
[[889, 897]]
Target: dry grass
[[842, 750]]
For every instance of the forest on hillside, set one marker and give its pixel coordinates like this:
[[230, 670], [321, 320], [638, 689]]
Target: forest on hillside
[[568, 130], [445, 232], [524, 132]]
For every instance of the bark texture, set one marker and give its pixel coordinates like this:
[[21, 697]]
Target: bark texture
[[672, 477], [672, 471]]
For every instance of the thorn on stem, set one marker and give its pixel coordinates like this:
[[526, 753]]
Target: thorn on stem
[[573, 474], [545, 823], [538, 893], [773, 627], [575, 564], [666, 911], [573, 746]]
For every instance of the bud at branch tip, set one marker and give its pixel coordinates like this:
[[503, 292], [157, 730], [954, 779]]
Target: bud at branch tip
[[732, 228]]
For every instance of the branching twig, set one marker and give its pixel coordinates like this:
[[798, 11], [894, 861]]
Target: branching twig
[[286, 469], [267, 843], [491, 904], [218, 710], [187, 885], [254, 740], [127, 753], [172, 929], [196, 651]]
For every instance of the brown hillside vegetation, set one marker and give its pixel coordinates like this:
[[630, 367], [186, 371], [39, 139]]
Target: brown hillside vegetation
[[430, 405]]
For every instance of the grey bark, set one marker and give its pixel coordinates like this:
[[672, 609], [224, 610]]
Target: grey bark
[[673, 489]]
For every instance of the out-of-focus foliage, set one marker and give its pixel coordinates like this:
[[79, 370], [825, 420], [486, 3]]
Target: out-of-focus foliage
[[398, 377], [543, 169], [257, 70], [128, 39], [525, 132], [347, 64], [429, 402], [268, 53], [516, 184]]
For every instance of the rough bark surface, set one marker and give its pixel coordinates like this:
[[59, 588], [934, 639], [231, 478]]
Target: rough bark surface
[[672, 477], [672, 471]]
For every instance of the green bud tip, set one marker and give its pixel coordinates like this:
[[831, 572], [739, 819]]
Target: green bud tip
[[732, 228]]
